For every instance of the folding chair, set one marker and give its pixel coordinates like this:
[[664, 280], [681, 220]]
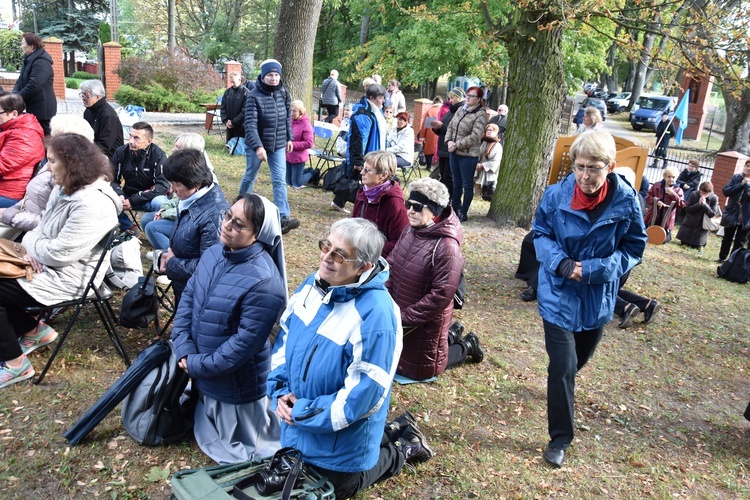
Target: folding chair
[[98, 296], [415, 169], [327, 156], [213, 117]]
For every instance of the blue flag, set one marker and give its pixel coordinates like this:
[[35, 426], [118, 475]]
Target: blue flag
[[681, 113]]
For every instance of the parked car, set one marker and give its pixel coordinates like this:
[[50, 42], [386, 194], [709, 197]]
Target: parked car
[[650, 109], [618, 103], [597, 103], [600, 94]]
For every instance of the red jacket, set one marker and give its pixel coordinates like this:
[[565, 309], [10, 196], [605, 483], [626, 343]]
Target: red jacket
[[21, 148], [426, 266], [657, 192], [387, 212]]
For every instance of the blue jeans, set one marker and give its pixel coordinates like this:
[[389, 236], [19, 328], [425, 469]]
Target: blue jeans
[[277, 164], [153, 206], [294, 174], [462, 171], [158, 232], [7, 202]]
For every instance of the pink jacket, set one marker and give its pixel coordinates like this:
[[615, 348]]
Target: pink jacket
[[303, 139]]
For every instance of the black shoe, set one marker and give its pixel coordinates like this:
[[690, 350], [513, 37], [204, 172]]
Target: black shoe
[[413, 445], [652, 308], [287, 224], [554, 456], [395, 428], [455, 333], [471, 341], [528, 295], [720, 260], [628, 315], [463, 217]]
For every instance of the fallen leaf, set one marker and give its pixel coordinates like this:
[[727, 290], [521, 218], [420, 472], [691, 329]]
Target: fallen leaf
[[157, 474]]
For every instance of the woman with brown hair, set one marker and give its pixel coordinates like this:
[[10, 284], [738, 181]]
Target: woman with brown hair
[[36, 79]]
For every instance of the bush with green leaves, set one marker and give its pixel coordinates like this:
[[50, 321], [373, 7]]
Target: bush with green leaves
[[159, 99], [10, 49], [11, 68], [82, 75], [72, 83]]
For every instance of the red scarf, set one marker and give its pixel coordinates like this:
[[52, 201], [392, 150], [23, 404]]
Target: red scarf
[[583, 201]]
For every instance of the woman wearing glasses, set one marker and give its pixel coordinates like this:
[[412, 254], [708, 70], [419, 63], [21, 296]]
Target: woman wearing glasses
[[426, 266], [334, 361], [198, 217], [221, 331], [588, 232], [464, 138], [381, 199]]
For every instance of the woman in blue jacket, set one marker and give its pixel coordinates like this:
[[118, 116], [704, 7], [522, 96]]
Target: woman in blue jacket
[[588, 232], [334, 362], [221, 333]]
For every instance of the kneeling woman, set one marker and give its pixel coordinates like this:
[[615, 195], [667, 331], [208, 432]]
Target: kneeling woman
[[426, 266], [221, 333]]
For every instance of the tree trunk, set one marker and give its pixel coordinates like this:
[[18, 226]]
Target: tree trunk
[[639, 79], [364, 29], [737, 129], [536, 94], [294, 43]]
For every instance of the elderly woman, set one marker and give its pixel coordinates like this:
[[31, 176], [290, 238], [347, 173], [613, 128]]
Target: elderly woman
[[490, 154], [381, 199], [592, 120], [34, 84], [303, 139], [232, 111], [401, 140], [464, 138], [25, 215], [426, 266], [62, 249], [588, 232], [21, 148], [221, 332], [334, 361], [701, 202], [736, 216], [663, 194], [198, 217]]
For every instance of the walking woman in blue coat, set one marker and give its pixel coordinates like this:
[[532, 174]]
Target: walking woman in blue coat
[[588, 232], [221, 333]]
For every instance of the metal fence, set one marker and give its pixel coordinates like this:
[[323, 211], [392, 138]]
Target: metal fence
[[678, 158]]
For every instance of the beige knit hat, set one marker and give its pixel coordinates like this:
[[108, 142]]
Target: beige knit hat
[[457, 92]]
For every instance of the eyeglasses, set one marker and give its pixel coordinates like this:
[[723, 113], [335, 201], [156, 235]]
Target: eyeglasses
[[85, 96], [369, 171], [337, 256], [593, 171], [226, 216], [417, 207]]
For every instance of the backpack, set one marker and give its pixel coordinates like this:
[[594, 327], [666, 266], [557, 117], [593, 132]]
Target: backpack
[[125, 266], [331, 177], [140, 305], [737, 267], [151, 413], [236, 146]]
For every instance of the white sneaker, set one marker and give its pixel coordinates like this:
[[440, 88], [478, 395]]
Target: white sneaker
[[163, 280], [340, 209]]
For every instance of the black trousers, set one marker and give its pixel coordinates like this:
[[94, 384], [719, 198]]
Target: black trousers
[[14, 322], [568, 352], [235, 132], [340, 199], [735, 233], [347, 484], [446, 177], [333, 112]]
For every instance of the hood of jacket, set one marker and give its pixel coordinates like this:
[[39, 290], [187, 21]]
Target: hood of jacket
[[374, 279], [447, 227]]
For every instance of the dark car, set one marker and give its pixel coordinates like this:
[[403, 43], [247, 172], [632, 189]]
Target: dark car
[[600, 94], [597, 103]]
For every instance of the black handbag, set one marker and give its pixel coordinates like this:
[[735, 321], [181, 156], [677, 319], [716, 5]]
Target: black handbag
[[347, 188], [140, 305], [488, 190], [731, 216]]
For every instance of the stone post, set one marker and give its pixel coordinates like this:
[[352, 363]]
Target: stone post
[[420, 109], [112, 58], [54, 47], [700, 91], [727, 164], [231, 67]]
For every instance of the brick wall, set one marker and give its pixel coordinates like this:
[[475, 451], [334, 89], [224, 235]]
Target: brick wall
[[111, 64], [54, 47], [231, 67], [727, 164]]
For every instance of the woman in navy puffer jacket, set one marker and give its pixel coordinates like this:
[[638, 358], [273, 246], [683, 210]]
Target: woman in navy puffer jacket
[[221, 333], [198, 216]]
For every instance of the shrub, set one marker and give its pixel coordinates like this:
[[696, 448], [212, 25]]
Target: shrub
[[82, 75], [10, 52], [156, 98], [72, 83], [11, 68]]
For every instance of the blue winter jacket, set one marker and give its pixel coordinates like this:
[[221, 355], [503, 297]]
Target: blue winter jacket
[[363, 135], [224, 319], [196, 229], [337, 353], [268, 118], [606, 250]]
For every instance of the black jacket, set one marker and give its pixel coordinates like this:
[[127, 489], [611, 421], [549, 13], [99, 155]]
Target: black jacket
[[107, 127], [667, 130], [268, 119], [143, 176], [233, 108], [442, 149], [35, 85]]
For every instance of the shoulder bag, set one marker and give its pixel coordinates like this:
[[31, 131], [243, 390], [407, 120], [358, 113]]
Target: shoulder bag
[[12, 264]]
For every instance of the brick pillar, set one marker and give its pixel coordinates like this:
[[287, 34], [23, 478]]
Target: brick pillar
[[231, 67], [54, 47], [727, 164], [420, 108], [112, 57]]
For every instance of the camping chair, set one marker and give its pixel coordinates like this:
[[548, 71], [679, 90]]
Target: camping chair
[[326, 156], [415, 169], [98, 296], [167, 302]]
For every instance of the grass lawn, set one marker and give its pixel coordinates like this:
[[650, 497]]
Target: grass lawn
[[658, 408]]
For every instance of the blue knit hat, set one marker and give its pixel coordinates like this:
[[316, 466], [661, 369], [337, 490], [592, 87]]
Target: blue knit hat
[[269, 66]]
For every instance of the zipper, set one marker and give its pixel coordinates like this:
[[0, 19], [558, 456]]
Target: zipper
[[309, 360]]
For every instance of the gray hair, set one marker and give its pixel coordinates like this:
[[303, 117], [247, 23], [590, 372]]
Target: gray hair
[[71, 124], [374, 91], [597, 145], [191, 140], [432, 189], [94, 86], [363, 235]]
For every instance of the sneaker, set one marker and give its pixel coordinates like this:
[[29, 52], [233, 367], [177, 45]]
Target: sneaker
[[628, 315], [300, 187], [651, 309], [395, 428], [529, 294], [340, 209], [414, 446], [163, 280], [287, 224], [472, 346], [42, 336], [10, 375]]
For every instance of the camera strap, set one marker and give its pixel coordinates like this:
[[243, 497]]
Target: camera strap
[[289, 484]]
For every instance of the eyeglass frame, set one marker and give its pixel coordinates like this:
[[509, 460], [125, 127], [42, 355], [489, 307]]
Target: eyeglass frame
[[226, 216], [335, 254], [85, 96], [409, 204], [591, 171]]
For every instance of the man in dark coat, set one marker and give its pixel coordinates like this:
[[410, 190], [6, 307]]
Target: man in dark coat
[[35, 81], [102, 118], [233, 106], [664, 132]]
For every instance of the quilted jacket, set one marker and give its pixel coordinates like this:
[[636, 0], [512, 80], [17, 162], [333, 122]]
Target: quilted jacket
[[225, 317], [21, 149], [268, 119], [387, 212], [426, 266], [25, 214], [466, 130]]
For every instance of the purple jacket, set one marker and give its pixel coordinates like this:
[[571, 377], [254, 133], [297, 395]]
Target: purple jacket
[[303, 139]]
